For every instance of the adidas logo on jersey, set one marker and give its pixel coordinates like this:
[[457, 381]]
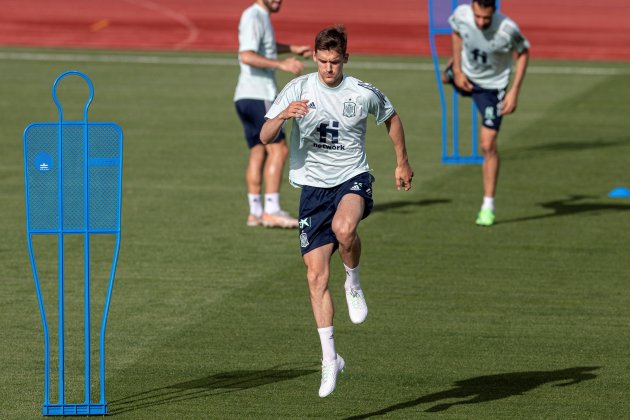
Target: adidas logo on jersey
[[312, 105]]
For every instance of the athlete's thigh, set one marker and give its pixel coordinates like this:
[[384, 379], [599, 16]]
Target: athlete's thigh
[[488, 138], [349, 212], [317, 260]]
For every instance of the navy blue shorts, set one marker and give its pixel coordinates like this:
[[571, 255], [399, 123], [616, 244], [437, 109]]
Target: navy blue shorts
[[318, 207], [252, 114], [488, 101]]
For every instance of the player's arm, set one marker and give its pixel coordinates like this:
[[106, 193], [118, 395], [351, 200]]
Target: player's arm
[[511, 98], [460, 79], [303, 50], [272, 126], [403, 173], [290, 65]]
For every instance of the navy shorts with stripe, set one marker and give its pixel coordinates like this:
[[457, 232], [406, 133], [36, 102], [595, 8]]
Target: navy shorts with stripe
[[318, 207], [252, 114], [488, 101]]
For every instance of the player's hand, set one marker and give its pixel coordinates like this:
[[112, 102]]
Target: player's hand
[[508, 105], [292, 65], [462, 82], [403, 175], [296, 109], [302, 50]]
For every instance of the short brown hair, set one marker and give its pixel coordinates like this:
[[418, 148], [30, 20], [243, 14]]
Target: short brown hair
[[332, 38], [487, 3]]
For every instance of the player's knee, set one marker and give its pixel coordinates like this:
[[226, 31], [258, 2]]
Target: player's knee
[[489, 148], [317, 280], [345, 232]]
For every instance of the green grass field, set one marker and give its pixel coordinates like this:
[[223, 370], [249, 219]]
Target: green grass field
[[211, 319]]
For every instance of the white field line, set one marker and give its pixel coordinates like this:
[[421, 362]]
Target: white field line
[[214, 61]]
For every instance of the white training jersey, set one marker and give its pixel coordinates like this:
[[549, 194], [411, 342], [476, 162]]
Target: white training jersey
[[255, 33], [328, 143], [487, 54]]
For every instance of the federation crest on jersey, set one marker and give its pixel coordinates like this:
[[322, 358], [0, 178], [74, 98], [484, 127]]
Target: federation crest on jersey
[[349, 109]]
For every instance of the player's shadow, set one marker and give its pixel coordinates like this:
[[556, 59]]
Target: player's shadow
[[566, 146], [219, 383], [395, 205], [569, 206], [489, 388]]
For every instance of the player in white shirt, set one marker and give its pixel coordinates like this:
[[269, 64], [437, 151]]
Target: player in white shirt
[[329, 111], [256, 89], [485, 43]]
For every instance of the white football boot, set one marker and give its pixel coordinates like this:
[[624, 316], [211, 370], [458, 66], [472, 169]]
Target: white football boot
[[357, 308], [330, 370]]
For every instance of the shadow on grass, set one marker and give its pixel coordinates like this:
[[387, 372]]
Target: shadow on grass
[[219, 383], [570, 206], [489, 388], [401, 204], [566, 146]]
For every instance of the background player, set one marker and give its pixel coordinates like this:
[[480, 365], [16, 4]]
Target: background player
[[256, 89], [484, 43], [328, 161]]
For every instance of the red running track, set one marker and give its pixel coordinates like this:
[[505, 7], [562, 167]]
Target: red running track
[[567, 29]]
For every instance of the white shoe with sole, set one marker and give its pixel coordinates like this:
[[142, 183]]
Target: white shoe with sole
[[357, 308], [280, 219], [330, 370]]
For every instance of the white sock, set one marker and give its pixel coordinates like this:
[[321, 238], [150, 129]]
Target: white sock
[[327, 339], [255, 206], [272, 203], [352, 278], [488, 203]]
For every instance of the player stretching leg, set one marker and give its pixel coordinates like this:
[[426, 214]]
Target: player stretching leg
[[481, 67]]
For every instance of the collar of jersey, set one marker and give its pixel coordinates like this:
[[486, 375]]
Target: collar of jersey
[[262, 9], [325, 86]]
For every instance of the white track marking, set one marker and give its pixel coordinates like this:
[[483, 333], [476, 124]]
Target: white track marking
[[217, 61], [193, 31]]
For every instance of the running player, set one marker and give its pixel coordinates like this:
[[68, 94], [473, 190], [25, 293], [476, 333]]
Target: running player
[[329, 111]]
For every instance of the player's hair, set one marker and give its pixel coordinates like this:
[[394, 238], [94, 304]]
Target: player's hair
[[487, 3], [332, 38]]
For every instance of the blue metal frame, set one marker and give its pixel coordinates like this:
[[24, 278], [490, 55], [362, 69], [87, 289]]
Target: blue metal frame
[[454, 157], [87, 407]]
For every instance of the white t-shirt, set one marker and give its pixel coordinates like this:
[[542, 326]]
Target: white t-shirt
[[255, 33], [328, 143], [487, 54]]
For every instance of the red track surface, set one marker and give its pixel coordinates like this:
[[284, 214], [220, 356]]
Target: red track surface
[[572, 29]]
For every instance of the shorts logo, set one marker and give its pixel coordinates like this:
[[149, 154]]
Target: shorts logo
[[489, 116], [349, 109], [489, 113], [369, 192], [356, 187], [303, 240], [306, 222]]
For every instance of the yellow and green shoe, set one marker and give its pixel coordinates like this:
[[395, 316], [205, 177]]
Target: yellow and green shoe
[[485, 218]]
